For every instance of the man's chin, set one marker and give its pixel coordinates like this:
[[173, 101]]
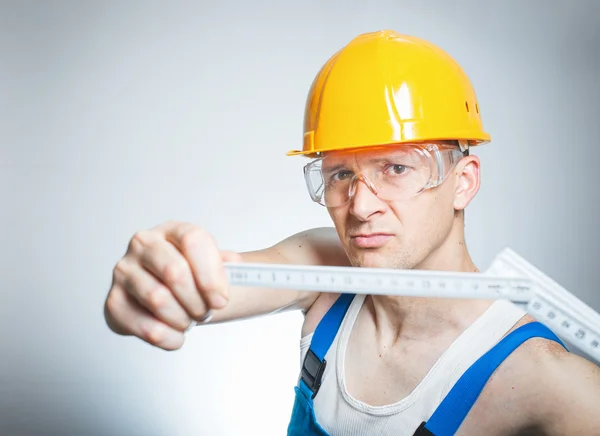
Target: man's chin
[[371, 259], [380, 258]]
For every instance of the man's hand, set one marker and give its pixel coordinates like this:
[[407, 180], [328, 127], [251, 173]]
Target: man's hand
[[171, 275]]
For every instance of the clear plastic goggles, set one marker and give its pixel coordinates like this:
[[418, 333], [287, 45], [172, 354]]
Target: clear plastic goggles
[[392, 173]]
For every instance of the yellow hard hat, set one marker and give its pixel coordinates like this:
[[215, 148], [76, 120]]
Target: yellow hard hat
[[386, 88]]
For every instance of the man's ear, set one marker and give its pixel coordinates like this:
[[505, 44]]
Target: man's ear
[[467, 181]]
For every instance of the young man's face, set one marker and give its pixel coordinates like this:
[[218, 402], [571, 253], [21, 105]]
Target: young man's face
[[397, 228]]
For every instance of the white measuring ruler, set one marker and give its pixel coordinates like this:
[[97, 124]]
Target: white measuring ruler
[[510, 278], [377, 281], [566, 315]]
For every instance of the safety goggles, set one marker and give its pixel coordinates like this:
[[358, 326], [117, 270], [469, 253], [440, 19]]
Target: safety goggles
[[392, 173]]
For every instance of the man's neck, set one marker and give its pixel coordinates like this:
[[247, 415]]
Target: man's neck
[[425, 318], [422, 319]]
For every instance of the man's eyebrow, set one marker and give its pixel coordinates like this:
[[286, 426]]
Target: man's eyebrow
[[333, 168], [380, 159], [374, 159], [390, 157]]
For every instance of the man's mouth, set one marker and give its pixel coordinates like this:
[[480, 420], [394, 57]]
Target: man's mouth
[[370, 240]]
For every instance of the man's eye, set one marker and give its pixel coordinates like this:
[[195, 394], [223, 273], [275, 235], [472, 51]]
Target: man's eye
[[397, 169], [341, 175]]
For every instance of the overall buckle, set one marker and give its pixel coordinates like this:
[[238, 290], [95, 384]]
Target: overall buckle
[[423, 431], [312, 371]]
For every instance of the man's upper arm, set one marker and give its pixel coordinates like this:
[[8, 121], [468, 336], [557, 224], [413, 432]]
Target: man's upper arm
[[573, 406], [318, 246]]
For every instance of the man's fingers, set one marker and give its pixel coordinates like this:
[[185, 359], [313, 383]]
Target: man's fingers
[[128, 317], [172, 269], [151, 294], [204, 260]]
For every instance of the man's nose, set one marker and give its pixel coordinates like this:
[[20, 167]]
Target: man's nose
[[364, 201]]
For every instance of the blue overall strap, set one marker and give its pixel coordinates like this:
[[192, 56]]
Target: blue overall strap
[[454, 408], [314, 362]]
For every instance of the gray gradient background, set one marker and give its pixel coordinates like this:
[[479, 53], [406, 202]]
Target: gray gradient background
[[118, 115]]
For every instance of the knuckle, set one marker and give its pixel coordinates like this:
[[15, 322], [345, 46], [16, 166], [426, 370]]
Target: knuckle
[[120, 270], [198, 311], [181, 324], [113, 302], [157, 298], [173, 272], [170, 223], [155, 334], [193, 237], [139, 240], [116, 313]]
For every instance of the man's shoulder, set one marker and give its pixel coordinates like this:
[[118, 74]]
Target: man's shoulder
[[528, 366], [317, 311], [550, 359], [563, 388], [539, 349], [574, 384]]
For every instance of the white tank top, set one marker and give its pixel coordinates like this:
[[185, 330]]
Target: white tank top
[[341, 414]]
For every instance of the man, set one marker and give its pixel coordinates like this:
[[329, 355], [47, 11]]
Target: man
[[388, 126]]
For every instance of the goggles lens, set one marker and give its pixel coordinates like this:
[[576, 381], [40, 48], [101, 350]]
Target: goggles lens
[[394, 173]]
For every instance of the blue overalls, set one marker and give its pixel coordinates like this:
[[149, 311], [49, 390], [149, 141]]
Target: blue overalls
[[451, 412]]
